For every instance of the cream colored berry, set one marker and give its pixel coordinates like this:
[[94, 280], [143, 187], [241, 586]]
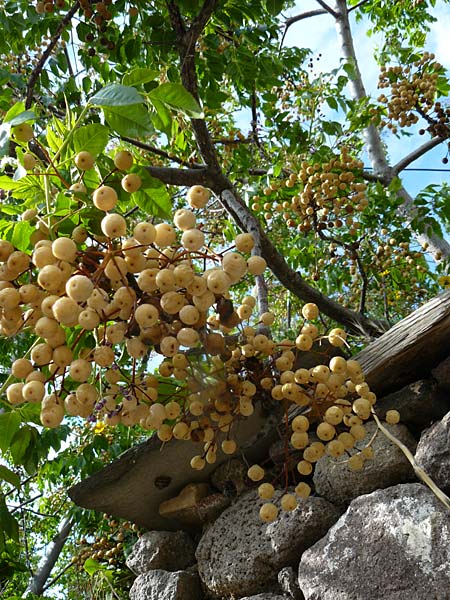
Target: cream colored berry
[[193, 239], [266, 491], [255, 473], [334, 415], [299, 440], [303, 490], [392, 417], [197, 196], [131, 182], [105, 198], [123, 160], [356, 462], [288, 502], [256, 265], [304, 342], [198, 462], [337, 337], [304, 467], [146, 315], [66, 311], [165, 235], [84, 160], [80, 370], [310, 311], [228, 446], [64, 248], [244, 242], [114, 226], [268, 512], [79, 288], [33, 391], [184, 219], [21, 367], [14, 393]]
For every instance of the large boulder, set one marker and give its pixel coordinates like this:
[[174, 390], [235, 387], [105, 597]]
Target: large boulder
[[240, 555], [334, 481], [165, 585], [166, 550], [433, 453], [393, 544]]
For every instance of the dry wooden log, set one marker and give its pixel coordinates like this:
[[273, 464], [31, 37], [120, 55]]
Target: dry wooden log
[[410, 349]]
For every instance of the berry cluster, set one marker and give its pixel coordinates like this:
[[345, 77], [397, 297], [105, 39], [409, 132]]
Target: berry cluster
[[413, 91], [48, 6], [330, 195], [99, 306]]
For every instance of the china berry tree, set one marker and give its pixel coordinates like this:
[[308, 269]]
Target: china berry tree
[[188, 204]]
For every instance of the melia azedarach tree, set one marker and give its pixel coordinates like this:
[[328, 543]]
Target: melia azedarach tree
[[178, 183]]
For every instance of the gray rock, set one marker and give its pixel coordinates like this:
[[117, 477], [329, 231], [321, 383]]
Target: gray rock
[[334, 481], [288, 581], [239, 554], [441, 373], [433, 453], [164, 585], [420, 404], [393, 544], [263, 596], [166, 550]]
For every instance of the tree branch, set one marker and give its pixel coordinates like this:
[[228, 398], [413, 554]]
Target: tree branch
[[159, 152], [415, 154], [327, 8], [183, 177], [45, 56], [216, 180], [296, 18]]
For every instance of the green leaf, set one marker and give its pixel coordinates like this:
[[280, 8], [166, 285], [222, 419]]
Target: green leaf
[[9, 476], [26, 188], [274, 6], [132, 121], [116, 94], [21, 234], [20, 443], [92, 566], [139, 75], [177, 97], [161, 117], [15, 110], [152, 197], [9, 425], [8, 523], [27, 115], [91, 138], [5, 131]]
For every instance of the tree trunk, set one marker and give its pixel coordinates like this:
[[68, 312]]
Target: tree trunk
[[37, 582]]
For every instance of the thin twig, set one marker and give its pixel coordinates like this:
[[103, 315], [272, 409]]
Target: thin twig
[[358, 5], [46, 55], [417, 469]]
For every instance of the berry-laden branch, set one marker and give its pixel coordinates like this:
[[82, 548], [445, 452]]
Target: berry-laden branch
[[375, 149], [46, 55], [216, 180]]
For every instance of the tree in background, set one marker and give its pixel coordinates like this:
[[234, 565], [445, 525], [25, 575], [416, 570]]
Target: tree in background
[[156, 158]]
